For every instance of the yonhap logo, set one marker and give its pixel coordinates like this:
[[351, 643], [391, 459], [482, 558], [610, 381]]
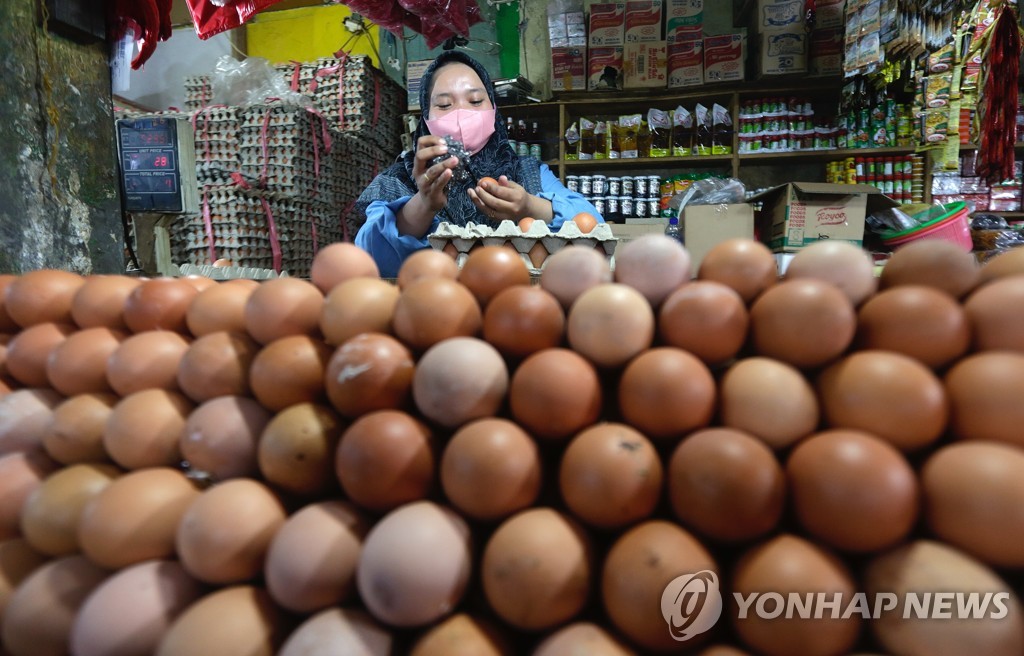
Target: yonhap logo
[[691, 604]]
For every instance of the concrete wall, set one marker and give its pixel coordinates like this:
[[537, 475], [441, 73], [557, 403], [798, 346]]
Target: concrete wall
[[59, 211]]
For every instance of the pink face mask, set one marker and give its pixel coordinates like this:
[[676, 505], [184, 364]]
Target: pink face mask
[[470, 126]]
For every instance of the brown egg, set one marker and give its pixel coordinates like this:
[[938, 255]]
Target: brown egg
[[339, 262], [582, 638], [984, 395], [459, 380], [283, 307], [932, 263], [219, 308], [339, 631], [655, 265], [220, 437], [369, 372], [917, 321], [42, 296], [461, 635], [257, 627], [725, 650], [912, 572], [29, 351], [610, 324], [131, 611], [159, 304], [769, 399], [973, 493], [51, 513], [75, 434], [1007, 263], [7, 324], [20, 475], [610, 476], [490, 269], [787, 564], [853, 491], [434, 309], [571, 271], [311, 562], [666, 392], [886, 394], [4, 376], [555, 393], [996, 315], [536, 569], [217, 365], [415, 565], [726, 485], [78, 365], [135, 517], [385, 459], [356, 306], [426, 263], [99, 302], [41, 612], [224, 534], [522, 320], [490, 469], [145, 429], [639, 566], [745, 265], [201, 283], [17, 561], [25, 416], [803, 322], [538, 253], [146, 360], [289, 370], [296, 450], [848, 267], [706, 318]]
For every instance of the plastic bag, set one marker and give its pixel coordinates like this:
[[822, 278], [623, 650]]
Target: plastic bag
[[251, 81], [211, 18], [891, 219], [711, 191]]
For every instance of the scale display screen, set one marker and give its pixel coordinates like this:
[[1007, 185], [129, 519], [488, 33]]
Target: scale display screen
[[150, 151]]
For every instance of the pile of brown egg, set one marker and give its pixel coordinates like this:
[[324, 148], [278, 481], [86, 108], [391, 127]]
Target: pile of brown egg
[[464, 462]]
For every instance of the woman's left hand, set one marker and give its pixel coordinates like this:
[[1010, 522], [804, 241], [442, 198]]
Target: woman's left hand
[[505, 200]]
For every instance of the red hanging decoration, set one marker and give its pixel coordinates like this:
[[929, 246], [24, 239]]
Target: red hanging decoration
[[997, 108]]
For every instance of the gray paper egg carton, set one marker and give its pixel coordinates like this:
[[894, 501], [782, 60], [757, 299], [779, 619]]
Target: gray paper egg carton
[[198, 91], [216, 143]]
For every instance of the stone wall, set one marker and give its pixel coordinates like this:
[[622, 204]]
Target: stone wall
[[61, 211]]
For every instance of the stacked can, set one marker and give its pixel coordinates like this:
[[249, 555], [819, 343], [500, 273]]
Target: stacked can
[[899, 177], [618, 198]]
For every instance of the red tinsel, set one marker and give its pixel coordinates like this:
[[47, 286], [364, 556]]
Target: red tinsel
[[998, 105]]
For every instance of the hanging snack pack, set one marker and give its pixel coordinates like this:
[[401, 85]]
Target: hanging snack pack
[[572, 142], [702, 137], [721, 131], [682, 132], [629, 135]]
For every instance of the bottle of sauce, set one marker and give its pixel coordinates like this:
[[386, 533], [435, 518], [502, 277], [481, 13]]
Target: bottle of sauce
[[513, 135], [522, 146], [535, 142]]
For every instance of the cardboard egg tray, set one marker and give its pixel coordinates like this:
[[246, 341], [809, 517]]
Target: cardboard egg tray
[[534, 246], [198, 91]]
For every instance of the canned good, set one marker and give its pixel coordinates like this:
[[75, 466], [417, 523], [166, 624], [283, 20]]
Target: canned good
[[653, 186], [599, 205], [653, 205], [626, 206], [615, 187], [600, 185], [640, 211], [572, 183], [631, 184], [612, 205], [586, 185]]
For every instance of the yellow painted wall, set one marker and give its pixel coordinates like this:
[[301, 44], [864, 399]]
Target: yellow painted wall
[[305, 35]]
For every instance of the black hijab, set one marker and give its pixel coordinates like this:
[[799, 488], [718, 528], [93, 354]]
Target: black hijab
[[496, 158]]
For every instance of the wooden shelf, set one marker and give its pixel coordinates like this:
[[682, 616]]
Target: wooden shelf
[[696, 160], [1003, 213], [833, 154]]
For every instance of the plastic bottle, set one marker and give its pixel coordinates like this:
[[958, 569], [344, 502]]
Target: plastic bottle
[[673, 230], [535, 141], [513, 134], [522, 137]]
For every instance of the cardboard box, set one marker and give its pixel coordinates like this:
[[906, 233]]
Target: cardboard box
[[830, 13], [782, 53], [414, 71], [785, 15], [706, 226], [604, 68], [723, 58], [684, 20], [798, 214], [685, 64], [636, 228], [569, 68], [643, 21], [826, 51], [645, 65], [607, 24]]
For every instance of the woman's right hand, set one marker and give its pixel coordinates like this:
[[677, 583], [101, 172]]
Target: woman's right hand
[[432, 179]]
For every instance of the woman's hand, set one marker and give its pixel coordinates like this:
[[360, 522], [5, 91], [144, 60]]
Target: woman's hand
[[431, 179], [508, 200]]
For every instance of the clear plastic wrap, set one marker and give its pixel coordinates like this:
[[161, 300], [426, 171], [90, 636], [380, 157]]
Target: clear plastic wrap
[[251, 81], [710, 191]]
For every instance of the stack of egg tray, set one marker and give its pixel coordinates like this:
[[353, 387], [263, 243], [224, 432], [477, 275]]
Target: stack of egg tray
[[198, 92], [216, 143]]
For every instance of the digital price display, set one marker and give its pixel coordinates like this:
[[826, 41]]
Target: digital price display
[[151, 152]]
